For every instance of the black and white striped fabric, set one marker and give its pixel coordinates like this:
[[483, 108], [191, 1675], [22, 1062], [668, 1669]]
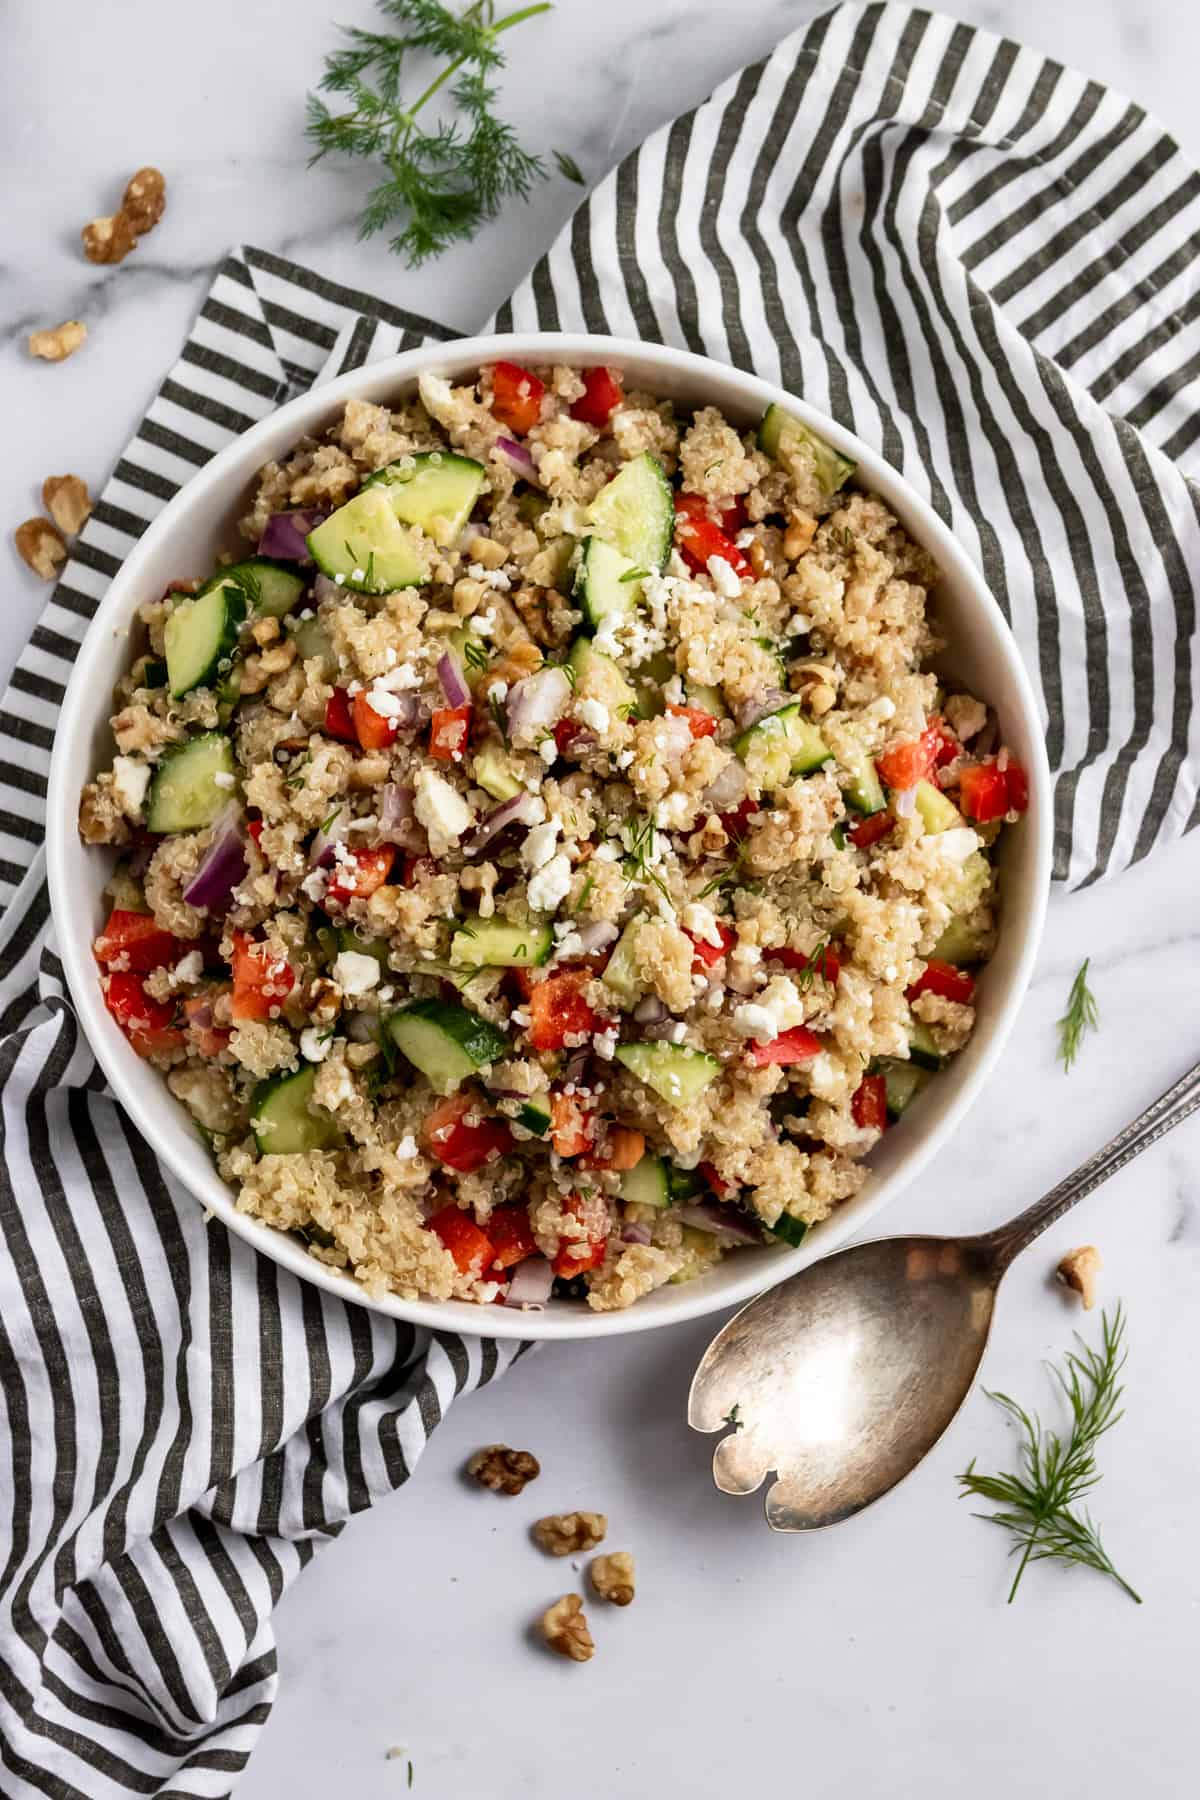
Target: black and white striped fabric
[[975, 258]]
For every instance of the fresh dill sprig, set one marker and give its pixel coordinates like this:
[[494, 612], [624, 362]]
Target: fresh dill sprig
[[499, 715], [568, 167], [1081, 1015], [1038, 1503], [641, 850], [440, 184], [475, 654], [803, 978]]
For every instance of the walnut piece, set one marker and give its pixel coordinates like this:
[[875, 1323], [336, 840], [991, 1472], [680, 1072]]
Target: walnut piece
[[144, 201], [612, 1577], [58, 342], [66, 499], [502, 1470], [1079, 1269], [566, 1534], [40, 545], [108, 240], [565, 1629]]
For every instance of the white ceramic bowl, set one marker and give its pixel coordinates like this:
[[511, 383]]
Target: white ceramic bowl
[[199, 522]]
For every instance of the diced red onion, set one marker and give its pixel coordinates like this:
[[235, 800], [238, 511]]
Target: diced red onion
[[519, 811], [588, 939], [531, 1283], [650, 1010], [769, 701], [728, 790], [518, 459], [362, 1027], [538, 703], [451, 677], [285, 534], [985, 743], [635, 1234], [904, 800], [397, 823], [320, 854], [224, 865], [200, 1014], [659, 1030], [325, 588], [575, 1067], [719, 1217]]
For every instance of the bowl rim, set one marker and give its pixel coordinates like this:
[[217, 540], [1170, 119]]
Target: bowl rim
[[162, 1130]]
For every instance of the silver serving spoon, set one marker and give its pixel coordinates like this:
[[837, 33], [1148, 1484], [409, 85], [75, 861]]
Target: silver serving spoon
[[842, 1378]]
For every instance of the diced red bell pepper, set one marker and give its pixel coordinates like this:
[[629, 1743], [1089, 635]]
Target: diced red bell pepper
[[471, 1249], [136, 941], [701, 724], [260, 981], [146, 1023], [558, 1010], [339, 717], [358, 877], [624, 1149], [826, 962], [461, 1145], [943, 979], [707, 954], [572, 1125], [948, 746], [699, 537], [869, 831], [794, 1046], [601, 396], [905, 764], [716, 1182], [416, 868], [255, 828], [373, 731], [986, 791], [869, 1105], [733, 516], [737, 823], [516, 397], [577, 1255], [449, 731], [208, 1038], [511, 1236]]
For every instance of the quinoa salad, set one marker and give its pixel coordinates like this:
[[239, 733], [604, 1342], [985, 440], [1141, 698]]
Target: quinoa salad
[[547, 860]]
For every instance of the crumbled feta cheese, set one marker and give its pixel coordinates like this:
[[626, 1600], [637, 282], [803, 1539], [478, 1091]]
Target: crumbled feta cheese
[[540, 845], [676, 1031], [593, 714], [548, 749], [314, 885], [406, 1149], [673, 811], [386, 704], [673, 691], [441, 809], [958, 843], [483, 624], [223, 779], [130, 781], [755, 1021], [798, 625], [624, 758], [604, 1043], [355, 973], [548, 888], [701, 921], [395, 681], [726, 579], [783, 1001], [315, 1044]]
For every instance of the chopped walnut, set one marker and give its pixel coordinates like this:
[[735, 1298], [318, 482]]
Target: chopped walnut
[[66, 499], [108, 240], [144, 200], [503, 1470], [39, 544], [798, 537], [566, 1534], [1079, 1269], [565, 1629], [58, 342], [612, 1577]]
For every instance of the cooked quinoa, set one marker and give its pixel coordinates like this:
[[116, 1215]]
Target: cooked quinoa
[[551, 864]]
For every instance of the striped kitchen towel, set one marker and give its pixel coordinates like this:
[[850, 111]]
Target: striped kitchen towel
[[977, 259]]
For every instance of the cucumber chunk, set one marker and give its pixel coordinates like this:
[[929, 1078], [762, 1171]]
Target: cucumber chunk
[[364, 544], [960, 943], [781, 436], [286, 1120], [202, 633], [783, 744], [494, 772], [622, 973], [271, 588], [921, 1048], [435, 490], [347, 938], [792, 1231], [606, 583], [864, 791], [495, 944], [446, 1043], [903, 1081], [635, 513], [676, 1073], [601, 675], [185, 794], [534, 1119], [937, 813], [312, 641], [646, 1184]]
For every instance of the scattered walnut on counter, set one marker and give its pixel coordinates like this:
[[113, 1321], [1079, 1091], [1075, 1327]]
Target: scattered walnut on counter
[[40, 545], [110, 240], [58, 342], [613, 1578], [1078, 1270], [66, 499], [566, 1534], [502, 1470], [565, 1628]]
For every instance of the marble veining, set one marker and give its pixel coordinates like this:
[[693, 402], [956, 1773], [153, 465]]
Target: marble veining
[[880, 1657]]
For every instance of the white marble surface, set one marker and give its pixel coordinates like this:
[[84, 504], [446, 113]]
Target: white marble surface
[[878, 1658]]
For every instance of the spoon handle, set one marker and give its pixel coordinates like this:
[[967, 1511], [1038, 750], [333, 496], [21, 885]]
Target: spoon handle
[[1169, 1110]]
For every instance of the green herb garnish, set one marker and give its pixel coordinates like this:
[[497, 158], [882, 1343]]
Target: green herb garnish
[[635, 575], [499, 716], [1081, 1015], [1037, 1504], [438, 185], [569, 167], [474, 654], [584, 891]]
